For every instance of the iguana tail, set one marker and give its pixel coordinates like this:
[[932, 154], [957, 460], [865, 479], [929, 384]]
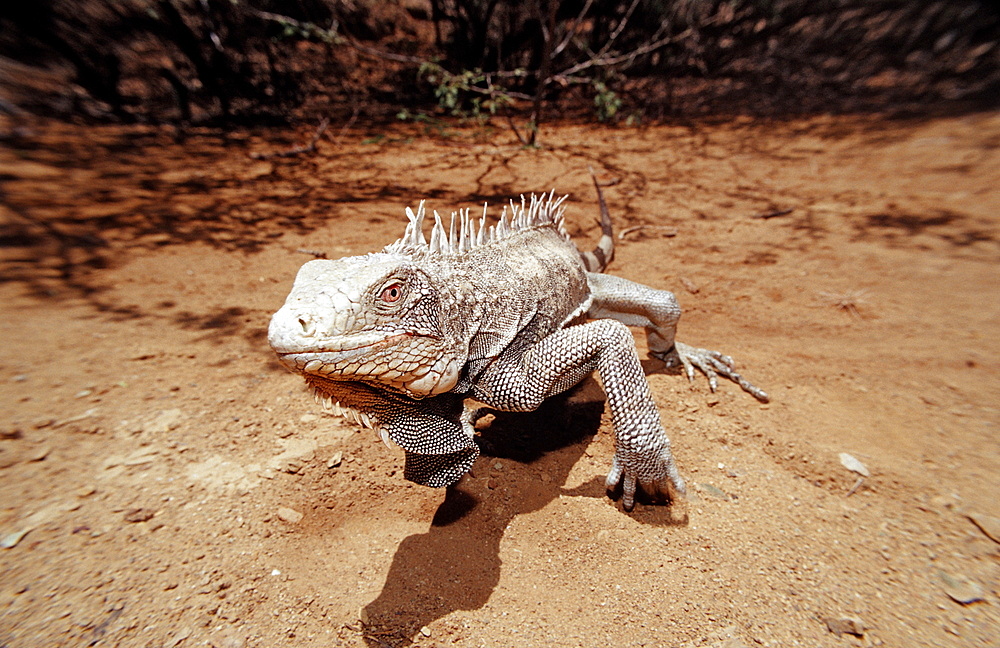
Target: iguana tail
[[604, 253]]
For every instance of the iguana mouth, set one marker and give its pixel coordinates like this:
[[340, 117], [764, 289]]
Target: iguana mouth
[[339, 354]]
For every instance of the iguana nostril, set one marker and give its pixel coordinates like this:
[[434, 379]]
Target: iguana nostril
[[307, 325]]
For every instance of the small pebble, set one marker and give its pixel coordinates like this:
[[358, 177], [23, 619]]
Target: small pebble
[[961, 589], [845, 625], [139, 515], [289, 515]]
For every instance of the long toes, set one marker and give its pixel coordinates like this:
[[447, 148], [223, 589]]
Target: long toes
[[688, 368], [755, 391], [745, 384], [721, 366], [628, 493], [614, 477], [714, 364], [751, 389], [710, 372], [718, 357], [729, 373]]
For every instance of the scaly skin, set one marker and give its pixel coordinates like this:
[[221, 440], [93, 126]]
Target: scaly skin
[[402, 337]]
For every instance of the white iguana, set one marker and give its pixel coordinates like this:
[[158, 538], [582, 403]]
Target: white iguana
[[504, 315]]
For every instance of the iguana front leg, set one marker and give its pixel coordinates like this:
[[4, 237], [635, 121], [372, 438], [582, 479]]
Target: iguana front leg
[[520, 380], [635, 304], [434, 432]]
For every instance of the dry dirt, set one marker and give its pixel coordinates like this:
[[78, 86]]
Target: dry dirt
[[164, 482]]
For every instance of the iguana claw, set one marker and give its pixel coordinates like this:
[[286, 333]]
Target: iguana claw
[[713, 364], [669, 487]]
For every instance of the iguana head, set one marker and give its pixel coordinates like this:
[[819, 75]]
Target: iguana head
[[374, 318]]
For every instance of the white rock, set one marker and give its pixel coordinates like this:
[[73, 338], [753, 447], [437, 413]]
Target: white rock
[[852, 464]]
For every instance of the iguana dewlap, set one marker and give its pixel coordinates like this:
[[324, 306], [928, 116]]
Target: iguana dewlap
[[507, 315]]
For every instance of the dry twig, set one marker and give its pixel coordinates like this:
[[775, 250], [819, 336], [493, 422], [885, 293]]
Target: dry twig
[[666, 230], [774, 214], [345, 127]]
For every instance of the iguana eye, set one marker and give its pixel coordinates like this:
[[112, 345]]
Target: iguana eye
[[392, 293]]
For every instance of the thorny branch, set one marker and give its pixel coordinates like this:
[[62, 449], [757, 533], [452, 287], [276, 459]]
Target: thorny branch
[[574, 29], [333, 35]]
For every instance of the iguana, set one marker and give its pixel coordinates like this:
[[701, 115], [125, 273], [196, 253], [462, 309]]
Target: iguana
[[505, 315]]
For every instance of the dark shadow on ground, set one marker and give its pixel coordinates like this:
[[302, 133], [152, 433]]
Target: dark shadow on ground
[[456, 564], [142, 191], [899, 227]]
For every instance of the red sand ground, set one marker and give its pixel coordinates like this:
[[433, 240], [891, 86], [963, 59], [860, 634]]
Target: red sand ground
[[152, 444]]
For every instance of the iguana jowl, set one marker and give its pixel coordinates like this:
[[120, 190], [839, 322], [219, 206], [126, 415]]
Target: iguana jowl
[[506, 315]]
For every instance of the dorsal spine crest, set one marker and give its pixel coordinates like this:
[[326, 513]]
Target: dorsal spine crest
[[463, 234]]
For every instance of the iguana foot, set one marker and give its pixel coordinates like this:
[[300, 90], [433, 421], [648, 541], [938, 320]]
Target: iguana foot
[[655, 473], [469, 417], [711, 363]]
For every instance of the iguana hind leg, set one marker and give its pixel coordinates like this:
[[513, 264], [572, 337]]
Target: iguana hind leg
[[521, 380], [635, 304]]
